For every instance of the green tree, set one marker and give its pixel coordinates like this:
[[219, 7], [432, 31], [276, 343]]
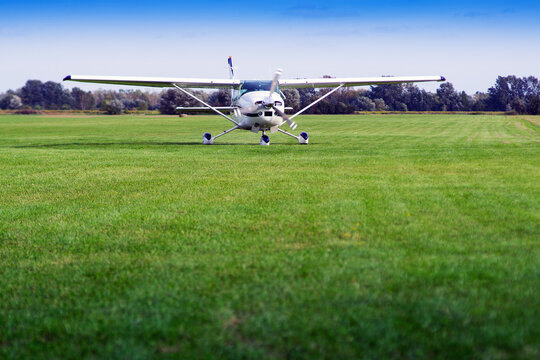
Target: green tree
[[418, 100], [533, 105], [380, 105], [10, 101], [142, 105], [222, 97], [363, 103], [31, 93], [512, 93], [292, 98], [54, 96], [448, 98], [392, 94], [82, 100], [171, 98], [307, 96], [466, 101]]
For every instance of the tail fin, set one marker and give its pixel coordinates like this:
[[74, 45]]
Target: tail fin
[[231, 68], [231, 76]]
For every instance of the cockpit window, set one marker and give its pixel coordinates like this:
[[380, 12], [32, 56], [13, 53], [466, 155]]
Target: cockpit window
[[255, 85]]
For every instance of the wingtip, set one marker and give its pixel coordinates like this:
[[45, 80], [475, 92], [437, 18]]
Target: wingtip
[[67, 78], [443, 78]]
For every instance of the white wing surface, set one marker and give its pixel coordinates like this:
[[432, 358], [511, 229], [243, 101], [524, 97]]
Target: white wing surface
[[232, 83], [334, 82], [156, 81]]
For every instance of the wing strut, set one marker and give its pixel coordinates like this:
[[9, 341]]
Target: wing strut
[[288, 119], [205, 104], [316, 101]]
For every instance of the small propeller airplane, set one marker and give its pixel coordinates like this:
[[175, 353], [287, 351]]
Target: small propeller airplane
[[257, 106]]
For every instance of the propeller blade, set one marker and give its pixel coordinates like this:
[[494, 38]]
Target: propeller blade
[[275, 81], [291, 123]]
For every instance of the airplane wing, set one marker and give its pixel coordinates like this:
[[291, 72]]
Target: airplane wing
[[155, 81], [334, 82]]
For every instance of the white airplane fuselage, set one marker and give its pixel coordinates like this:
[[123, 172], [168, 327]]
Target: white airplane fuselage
[[260, 116]]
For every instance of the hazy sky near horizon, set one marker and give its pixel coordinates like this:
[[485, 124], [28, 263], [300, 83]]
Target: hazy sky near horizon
[[469, 42]]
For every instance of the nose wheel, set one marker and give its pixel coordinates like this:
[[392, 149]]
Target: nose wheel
[[265, 140]]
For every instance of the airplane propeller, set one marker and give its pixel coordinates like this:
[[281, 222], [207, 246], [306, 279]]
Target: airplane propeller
[[269, 103]]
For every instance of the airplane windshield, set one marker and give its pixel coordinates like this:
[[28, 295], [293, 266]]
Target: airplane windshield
[[255, 85]]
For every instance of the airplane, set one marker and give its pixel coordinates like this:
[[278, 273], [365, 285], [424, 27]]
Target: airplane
[[257, 105]]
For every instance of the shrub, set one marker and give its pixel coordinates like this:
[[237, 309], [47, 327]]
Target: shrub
[[26, 112], [511, 112], [112, 107]]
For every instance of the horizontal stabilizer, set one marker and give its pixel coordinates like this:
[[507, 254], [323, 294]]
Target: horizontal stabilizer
[[204, 108]]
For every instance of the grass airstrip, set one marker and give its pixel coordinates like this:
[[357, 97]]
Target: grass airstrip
[[388, 236]]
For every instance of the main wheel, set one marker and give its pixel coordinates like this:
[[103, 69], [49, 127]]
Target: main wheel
[[207, 139], [303, 139]]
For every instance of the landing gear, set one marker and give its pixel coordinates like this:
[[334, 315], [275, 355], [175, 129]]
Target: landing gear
[[207, 139], [303, 138], [265, 140]]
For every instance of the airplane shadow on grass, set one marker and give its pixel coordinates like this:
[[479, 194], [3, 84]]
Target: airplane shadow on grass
[[134, 143]]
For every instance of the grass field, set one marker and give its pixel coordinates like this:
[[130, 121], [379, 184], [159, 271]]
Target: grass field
[[388, 236]]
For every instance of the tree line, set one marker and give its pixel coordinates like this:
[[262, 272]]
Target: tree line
[[510, 94]]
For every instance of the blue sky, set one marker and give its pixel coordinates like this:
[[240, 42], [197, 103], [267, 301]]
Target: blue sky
[[470, 42]]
